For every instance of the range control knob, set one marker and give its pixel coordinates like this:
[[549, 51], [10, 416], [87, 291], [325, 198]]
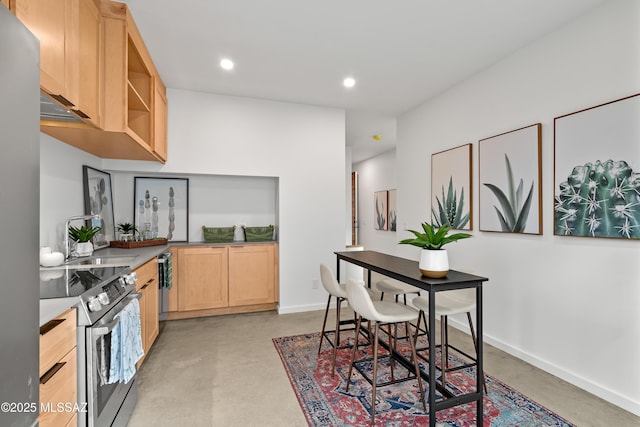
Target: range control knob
[[131, 278], [94, 304], [104, 298]]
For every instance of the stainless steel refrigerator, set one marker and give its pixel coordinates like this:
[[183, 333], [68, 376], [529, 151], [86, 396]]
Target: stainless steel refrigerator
[[19, 221]]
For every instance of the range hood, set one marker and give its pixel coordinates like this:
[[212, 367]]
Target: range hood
[[51, 110]]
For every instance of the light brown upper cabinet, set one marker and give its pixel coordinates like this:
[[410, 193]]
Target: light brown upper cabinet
[[70, 53], [160, 120], [130, 85], [133, 103], [6, 3]]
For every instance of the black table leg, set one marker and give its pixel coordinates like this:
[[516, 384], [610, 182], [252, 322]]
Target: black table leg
[[479, 367], [432, 359]]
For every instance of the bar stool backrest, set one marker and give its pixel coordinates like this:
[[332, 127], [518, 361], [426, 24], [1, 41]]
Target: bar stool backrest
[[330, 282], [360, 300]]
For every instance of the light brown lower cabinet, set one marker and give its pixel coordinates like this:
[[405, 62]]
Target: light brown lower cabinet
[[58, 371], [218, 279], [203, 274], [147, 286], [252, 274]]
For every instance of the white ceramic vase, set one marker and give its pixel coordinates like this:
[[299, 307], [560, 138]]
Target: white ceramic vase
[[434, 263], [84, 248]]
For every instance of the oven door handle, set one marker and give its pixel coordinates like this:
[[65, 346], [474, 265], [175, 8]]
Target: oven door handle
[[106, 328]]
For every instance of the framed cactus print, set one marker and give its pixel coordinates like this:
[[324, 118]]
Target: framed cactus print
[[380, 220], [511, 181], [161, 208], [597, 171], [451, 184]]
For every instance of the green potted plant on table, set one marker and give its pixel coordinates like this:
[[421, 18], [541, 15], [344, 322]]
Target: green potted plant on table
[[434, 260], [82, 237]]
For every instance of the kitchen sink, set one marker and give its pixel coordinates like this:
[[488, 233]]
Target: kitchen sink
[[103, 260]]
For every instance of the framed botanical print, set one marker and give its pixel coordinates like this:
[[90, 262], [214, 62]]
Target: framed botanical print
[[98, 200], [597, 171], [380, 219], [161, 208], [451, 188], [511, 181]]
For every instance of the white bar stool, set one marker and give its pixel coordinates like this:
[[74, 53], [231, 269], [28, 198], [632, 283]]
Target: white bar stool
[[447, 304], [338, 291], [381, 313]]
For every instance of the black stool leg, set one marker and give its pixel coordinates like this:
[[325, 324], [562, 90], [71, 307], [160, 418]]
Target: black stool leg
[[324, 323], [336, 342]]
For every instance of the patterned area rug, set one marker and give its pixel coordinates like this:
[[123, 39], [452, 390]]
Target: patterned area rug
[[325, 401]]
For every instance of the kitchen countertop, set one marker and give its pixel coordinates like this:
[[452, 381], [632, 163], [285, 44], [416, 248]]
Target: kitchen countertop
[[52, 308]]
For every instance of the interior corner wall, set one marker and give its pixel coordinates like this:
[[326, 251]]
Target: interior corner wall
[[375, 174], [567, 305], [301, 145]]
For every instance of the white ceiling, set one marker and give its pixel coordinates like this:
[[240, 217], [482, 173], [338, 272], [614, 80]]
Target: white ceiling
[[401, 52]]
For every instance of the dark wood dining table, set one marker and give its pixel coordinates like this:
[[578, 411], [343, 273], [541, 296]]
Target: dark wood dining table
[[406, 270]]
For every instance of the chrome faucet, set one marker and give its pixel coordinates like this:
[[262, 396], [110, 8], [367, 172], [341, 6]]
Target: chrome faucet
[[67, 223]]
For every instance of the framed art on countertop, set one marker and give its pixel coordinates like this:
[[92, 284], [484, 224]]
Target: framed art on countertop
[[98, 200], [161, 208]]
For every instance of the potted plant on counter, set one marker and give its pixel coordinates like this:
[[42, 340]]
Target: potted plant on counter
[[82, 237], [434, 260], [127, 231]]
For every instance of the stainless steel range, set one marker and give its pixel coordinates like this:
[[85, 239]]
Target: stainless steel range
[[99, 294]]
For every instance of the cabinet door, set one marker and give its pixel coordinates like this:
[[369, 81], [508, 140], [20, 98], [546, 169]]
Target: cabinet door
[[6, 3], [160, 121], [147, 286], [89, 60], [252, 274], [203, 277], [49, 21], [143, 324], [152, 324]]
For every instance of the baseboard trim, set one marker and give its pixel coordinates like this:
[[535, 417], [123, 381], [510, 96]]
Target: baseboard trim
[[302, 308], [581, 382]]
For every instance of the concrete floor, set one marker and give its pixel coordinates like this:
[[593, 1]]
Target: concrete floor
[[225, 371]]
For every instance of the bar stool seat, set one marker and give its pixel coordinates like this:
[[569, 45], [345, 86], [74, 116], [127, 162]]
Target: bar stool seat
[[396, 288], [381, 313], [447, 304]]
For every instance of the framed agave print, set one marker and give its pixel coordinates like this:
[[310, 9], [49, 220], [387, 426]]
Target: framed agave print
[[511, 181], [451, 188], [597, 171], [380, 219], [392, 210]]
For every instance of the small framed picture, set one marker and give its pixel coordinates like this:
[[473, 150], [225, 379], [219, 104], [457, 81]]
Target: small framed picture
[[380, 219], [98, 200], [161, 208]]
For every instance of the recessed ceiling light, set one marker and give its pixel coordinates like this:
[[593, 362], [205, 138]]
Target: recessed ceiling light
[[349, 82], [226, 64]]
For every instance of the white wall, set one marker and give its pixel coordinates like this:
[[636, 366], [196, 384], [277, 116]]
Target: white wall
[[303, 146], [375, 174], [61, 191], [214, 200], [568, 305]]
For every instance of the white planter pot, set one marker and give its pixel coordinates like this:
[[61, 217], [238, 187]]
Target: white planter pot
[[434, 263], [84, 249]]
